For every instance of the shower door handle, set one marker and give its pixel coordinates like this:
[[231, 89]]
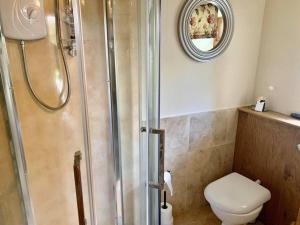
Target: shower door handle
[[78, 186], [161, 158]]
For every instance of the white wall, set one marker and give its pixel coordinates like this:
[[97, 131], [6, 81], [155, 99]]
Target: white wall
[[228, 81], [279, 61]]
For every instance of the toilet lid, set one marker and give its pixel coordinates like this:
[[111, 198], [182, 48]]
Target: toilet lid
[[236, 194]]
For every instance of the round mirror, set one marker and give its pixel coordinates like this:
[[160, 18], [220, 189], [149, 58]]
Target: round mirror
[[206, 28]]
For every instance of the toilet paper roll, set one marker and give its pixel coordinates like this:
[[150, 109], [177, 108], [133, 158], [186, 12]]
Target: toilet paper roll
[[170, 222], [168, 181], [166, 215]]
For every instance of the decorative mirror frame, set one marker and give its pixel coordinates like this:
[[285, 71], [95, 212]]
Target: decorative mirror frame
[[186, 41]]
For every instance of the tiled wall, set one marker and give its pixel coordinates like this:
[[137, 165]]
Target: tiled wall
[[199, 149], [10, 203], [52, 138], [96, 75]]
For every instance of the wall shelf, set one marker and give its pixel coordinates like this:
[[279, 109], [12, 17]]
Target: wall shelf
[[281, 118]]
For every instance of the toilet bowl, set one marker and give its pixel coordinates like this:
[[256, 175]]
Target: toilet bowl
[[236, 219], [235, 199]]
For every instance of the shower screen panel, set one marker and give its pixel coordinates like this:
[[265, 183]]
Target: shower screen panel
[[54, 178], [51, 139], [12, 210], [136, 54]]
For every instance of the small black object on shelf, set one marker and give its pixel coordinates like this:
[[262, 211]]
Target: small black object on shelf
[[296, 115]]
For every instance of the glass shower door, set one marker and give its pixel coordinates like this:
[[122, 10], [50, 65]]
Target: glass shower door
[[133, 63], [152, 137], [11, 206], [52, 182]]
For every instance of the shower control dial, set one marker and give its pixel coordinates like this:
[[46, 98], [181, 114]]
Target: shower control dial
[[33, 12]]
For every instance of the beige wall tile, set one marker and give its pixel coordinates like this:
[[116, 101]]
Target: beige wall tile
[[51, 139], [177, 134], [199, 150], [10, 202], [212, 128]]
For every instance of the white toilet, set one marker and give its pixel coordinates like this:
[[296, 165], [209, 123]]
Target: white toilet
[[235, 199]]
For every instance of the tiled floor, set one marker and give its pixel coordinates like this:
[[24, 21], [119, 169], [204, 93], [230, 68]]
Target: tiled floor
[[204, 216]]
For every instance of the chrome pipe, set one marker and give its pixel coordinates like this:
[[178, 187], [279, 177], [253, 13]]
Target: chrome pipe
[[84, 108], [113, 106], [60, 46]]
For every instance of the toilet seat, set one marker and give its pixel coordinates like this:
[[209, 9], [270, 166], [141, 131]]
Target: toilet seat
[[236, 194]]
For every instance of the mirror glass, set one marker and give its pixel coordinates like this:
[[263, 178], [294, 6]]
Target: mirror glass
[[206, 27]]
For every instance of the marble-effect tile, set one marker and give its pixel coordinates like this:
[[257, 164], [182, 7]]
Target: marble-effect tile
[[11, 211], [51, 139], [199, 150]]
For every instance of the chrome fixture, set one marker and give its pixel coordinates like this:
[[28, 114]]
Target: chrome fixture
[[17, 140], [60, 45], [114, 117], [84, 109], [69, 21]]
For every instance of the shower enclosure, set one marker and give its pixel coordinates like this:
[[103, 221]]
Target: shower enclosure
[[11, 205], [99, 159]]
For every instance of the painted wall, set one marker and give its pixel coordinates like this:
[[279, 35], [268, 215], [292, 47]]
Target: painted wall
[[228, 81], [280, 56]]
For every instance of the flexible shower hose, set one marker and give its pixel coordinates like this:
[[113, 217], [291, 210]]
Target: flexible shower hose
[[66, 68]]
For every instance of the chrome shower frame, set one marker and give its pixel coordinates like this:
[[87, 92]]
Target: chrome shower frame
[[111, 81], [84, 107], [15, 131], [113, 109], [148, 51], [14, 123]]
